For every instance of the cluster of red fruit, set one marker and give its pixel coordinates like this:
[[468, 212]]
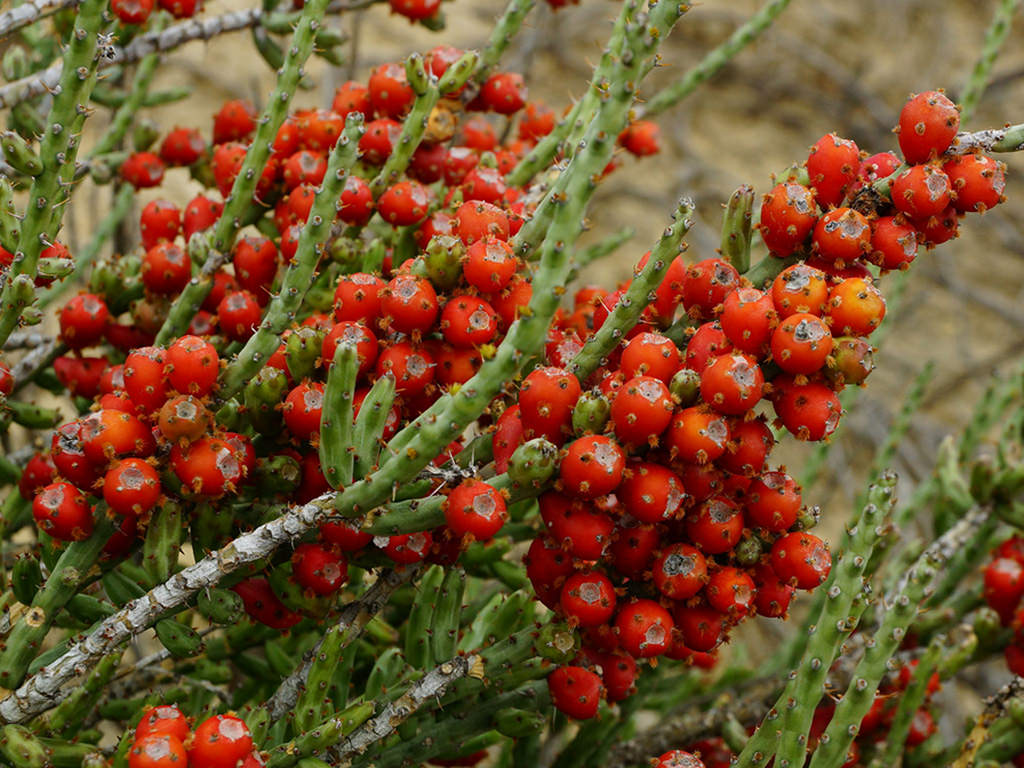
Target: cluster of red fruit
[[1004, 588], [667, 527], [163, 739], [152, 431]]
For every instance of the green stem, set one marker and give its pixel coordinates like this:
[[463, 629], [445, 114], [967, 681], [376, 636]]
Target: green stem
[[637, 297], [282, 310], [715, 59], [126, 113], [57, 149], [912, 699], [336, 448], [826, 635], [736, 230], [26, 637], [240, 201], [995, 36], [505, 29], [86, 257]]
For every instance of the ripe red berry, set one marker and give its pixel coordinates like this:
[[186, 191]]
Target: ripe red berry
[[893, 242], [413, 368], [706, 285], [238, 314], [547, 567], [921, 191], [404, 204], [592, 466], [132, 11], [192, 366], [319, 570], [477, 219], [357, 203], [730, 591], [678, 758], [1004, 586], [182, 146], [546, 400], [855, 308], [716, 527], [773, 502], [468, 321], [642, 138], [409, 548], [415, 10], [576, 691], [809, 411], [410, 303], [750, 443], [832, 168], [389, 92], [644, 629], [157, 750], [788, 214], [928, 122], [842, 235], [475, 508], [62, 511], [701, 627], [108, 435], [732, 383], [708, 342], [581, 528], [220, 742], [163, 718], [503, 92], [143, 170], [978, 182], [264, 606], [650, 492], [490, 264], [378, 140], [160, 220], [234, 121], [131, 487], [773, 595], [650, 354], [208, 467], [641, 411], [801, 559], [697, 435], [357, 297], [200, 214], [588, 598], [83, 320], [801, 343], [747, 318], [680, 572], [166, 268]]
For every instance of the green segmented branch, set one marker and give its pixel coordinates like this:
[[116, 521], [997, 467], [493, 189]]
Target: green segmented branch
[[540, 157], [431, 685], [336, 454], [505, 29], [995, 36], [22, 644], [126, 113], [283, 308], [715, 59], [419, 442], [57, 149], [427, 94], [736, 229], [900, 608], [834, 622], [240, 199], [372, 419], [105, 229], [636, 298], [911, 700], [587, 256]]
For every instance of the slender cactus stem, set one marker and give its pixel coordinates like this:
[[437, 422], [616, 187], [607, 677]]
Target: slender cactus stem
[[835, 621], [241, 197], [995, 36], [284, 307], [57, 150], [124, 197], [715, 59], [350, 624], [432, 685], [505, 29], [901, 607], [636, 299]]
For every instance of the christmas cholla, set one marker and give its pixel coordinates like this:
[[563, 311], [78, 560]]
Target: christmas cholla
[[347, 357]]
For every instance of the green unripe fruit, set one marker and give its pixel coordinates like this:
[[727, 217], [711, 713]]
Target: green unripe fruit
[[533, 463], [220, 606], [442, 260], [22, 748], [591, 414], [748, 552], [515, 723], [278, 474], [145, 135], [263, 392], [685, 387], [556, 642], [180, 640]]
